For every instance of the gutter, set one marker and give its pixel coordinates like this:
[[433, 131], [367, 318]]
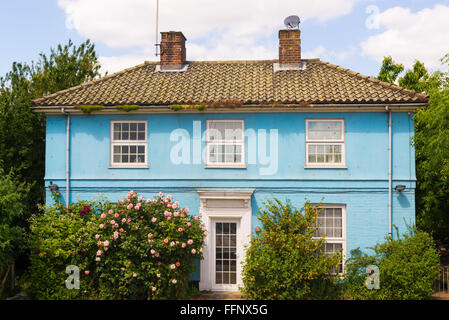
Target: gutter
[[389, 170], [67, 158], [398, 107]]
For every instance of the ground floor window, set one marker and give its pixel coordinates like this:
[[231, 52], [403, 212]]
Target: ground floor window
[[331, 223]]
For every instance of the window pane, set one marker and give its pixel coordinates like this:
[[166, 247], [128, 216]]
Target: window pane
[[141, 136], [116, 149], [117, 127], [132, 136], [325, 130], [225, 130], [141, 126], [125, 136], [125, 149], [133, 126], [125, 126], [116, 159], [124, 158]]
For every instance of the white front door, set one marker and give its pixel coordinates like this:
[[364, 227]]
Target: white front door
[[226, 215], [226, 262]]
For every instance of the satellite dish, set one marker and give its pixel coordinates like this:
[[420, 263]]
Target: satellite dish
[[292, 22]]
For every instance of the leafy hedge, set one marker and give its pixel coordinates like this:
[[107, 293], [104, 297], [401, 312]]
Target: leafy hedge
[[407, 268], [135, 249]]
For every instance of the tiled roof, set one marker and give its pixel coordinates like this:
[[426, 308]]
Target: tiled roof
[[249, 82]]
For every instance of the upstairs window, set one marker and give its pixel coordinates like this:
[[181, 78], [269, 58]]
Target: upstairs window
[[325, 143], [225, 143], [129, 143]]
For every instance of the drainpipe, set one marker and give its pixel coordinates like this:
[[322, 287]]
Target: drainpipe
[[389, 170], [67, 158]]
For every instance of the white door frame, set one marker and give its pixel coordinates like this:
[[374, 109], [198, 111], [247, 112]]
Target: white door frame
[[227, 205]]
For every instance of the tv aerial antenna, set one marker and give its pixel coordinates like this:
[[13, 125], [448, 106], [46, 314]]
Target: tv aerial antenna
[[292, 22], [157, 44]]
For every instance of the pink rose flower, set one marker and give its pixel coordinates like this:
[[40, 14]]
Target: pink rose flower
[[183, 245], [196, 217], [176, 213], [169, 205], [97, 259], [124, 220], [121, 230], [115, 235], [86, 272], [193, 251], [129, 220], [152, 251], [150, 235], [159, 263], [99, 252], [178, 264], [189, 224], [179, 229], [134, 275], [116, 215], [158, 275], [154, 289], [97, 236], [99, 243], [140, 198], [160, 194], [106, 243], [110, 211], [174, 281], [169, 218], [157, 255], [165, 241], [154, 219], [172, 243], [103, 216], [205, 233], [130, 206], [190, 241], [112, 222], [172, 266], [122, 201], [154, 200], [186, 209], [101, 226]]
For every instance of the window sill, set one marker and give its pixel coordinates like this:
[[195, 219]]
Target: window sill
[[225, 166], [114, 166], [325, 167]]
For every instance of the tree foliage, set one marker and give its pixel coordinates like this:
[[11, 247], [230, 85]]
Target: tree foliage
[[389, 70], [431, 142], [285, 261], [22, 131]]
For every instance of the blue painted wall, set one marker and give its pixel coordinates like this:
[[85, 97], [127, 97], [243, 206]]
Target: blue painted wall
[[362, 186]]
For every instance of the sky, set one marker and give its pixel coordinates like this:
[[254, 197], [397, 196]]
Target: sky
[[355, 34]]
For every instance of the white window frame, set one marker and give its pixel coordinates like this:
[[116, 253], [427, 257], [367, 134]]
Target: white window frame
[[209, 164], [341, 142], [129, 143], [342, 240]]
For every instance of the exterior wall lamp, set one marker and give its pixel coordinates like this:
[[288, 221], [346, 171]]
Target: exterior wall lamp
[[399, 188], [53, 187]]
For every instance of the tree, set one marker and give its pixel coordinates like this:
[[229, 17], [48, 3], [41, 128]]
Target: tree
[[22, 131], [389, 70], [431, 143]]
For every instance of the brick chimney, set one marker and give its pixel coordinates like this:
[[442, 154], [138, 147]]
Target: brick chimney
[[289, 47], [173, 50]]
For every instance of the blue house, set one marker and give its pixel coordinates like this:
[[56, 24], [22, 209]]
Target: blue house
[[223, 136]]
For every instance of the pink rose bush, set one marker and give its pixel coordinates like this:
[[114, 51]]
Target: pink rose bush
[[148, 258], [135, 249]]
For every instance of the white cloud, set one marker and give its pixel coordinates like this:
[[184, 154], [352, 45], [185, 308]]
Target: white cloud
[[118, 63], [409, 36], [215, 29]]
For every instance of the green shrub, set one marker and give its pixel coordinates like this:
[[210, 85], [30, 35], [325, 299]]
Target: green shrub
[[12, 210], [407, 268], [61, 237], [147, 249], [284, 261], [127, 108]]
